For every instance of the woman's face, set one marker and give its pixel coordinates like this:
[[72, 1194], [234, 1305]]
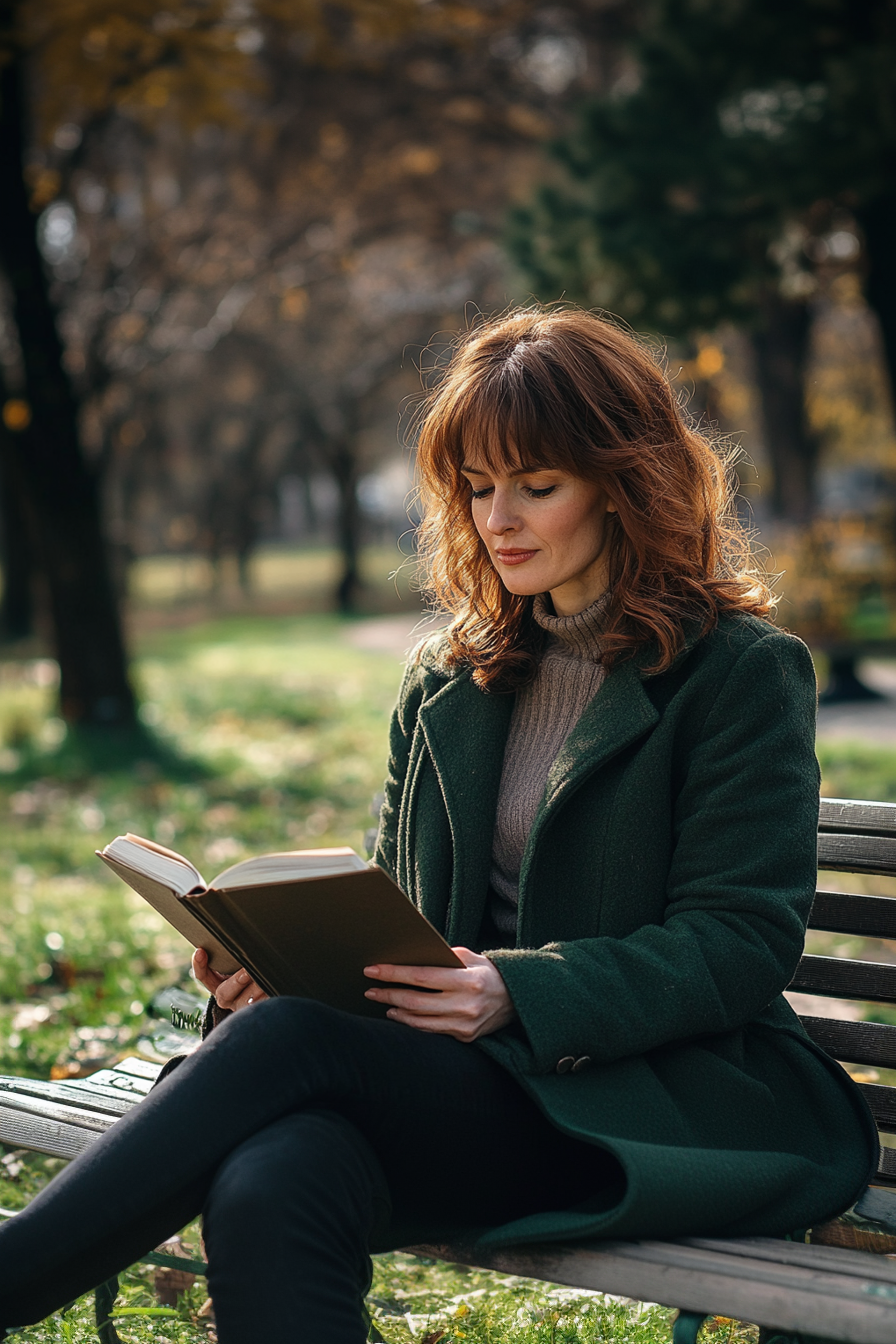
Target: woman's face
[[545, 531]]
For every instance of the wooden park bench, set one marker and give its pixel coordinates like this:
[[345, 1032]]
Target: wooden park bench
[[826, 1289]]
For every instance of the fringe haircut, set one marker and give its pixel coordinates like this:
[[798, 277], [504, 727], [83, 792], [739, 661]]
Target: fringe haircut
[[562, 388]]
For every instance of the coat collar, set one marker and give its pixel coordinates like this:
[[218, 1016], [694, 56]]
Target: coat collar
[[620, 713], [466, 733], [649, 653]]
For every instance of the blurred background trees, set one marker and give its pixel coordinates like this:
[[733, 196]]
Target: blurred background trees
[[743, 162], [738, 176], [231, 231]]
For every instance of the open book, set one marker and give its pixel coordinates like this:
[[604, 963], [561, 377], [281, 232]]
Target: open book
[[303, 923]]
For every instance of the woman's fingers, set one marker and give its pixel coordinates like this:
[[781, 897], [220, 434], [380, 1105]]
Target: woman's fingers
[[428, 1005], [426, 977], [251, 994], [450, 982], [462, 1028], [234, 991], [238, 991], [470, 1002], [203, 973], [438, 1026]]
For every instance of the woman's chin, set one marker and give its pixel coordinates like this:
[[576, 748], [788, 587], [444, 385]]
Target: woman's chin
[[521, 585]]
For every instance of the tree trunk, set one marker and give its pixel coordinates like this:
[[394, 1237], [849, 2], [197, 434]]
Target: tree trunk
[[17, 608], [61, 490], [345, 473], [781, 350], [878, 221]]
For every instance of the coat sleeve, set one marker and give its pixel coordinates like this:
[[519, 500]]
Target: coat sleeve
[[740, 888]]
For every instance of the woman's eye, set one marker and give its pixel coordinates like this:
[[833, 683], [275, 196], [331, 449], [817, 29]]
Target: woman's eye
[[481, 494], [540, 494]]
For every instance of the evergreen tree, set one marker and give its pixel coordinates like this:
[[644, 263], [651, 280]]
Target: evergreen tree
[[701, 190]]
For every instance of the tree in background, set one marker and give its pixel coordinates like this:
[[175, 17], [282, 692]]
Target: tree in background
[[83, 60], [65, 69], [330, 233], [717, 175]]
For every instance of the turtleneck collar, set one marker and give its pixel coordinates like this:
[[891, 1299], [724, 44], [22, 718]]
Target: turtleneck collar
[[580, 633]]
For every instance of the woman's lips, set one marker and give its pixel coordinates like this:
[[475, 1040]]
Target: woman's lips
[[514, 557]]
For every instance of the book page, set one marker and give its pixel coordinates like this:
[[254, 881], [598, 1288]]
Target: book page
[[178, 914], [154, 861], [292, 866]]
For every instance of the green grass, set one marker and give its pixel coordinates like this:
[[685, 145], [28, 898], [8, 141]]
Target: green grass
[[257, 733], [857, 770]]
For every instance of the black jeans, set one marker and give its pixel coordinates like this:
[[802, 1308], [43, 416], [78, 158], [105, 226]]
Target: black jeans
[[306, 1137]]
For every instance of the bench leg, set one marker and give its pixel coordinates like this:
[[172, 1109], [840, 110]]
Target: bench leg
[[104, 1299], [686, 1326]]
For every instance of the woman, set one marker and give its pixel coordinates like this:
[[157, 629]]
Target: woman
[[602, 788]]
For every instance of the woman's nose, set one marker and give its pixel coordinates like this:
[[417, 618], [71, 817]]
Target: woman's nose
[[503, 515]]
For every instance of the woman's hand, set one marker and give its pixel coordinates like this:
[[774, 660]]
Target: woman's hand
[[230, 991], [470, 1003]]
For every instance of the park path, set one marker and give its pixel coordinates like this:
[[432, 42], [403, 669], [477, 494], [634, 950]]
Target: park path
[[871, 721]]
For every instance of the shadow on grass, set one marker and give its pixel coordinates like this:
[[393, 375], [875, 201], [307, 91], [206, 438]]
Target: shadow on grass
[[85, 752]]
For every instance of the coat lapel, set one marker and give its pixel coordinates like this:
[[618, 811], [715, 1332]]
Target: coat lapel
[[466, 732], [619, 714]]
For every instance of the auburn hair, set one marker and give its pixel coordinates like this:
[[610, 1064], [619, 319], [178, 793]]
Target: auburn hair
[[562, 388]]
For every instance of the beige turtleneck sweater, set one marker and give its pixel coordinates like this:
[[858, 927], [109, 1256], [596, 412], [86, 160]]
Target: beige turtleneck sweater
[[546, 711]]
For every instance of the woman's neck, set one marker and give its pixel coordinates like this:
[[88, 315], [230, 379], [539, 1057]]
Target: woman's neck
[[580, 631]]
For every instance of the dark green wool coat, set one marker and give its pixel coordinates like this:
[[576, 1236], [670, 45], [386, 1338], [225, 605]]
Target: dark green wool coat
[[664, 894]]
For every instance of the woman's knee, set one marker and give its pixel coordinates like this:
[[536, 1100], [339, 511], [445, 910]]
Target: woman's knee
[[283, 1020], [313, 1167]]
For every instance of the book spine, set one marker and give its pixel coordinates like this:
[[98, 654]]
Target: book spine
[[210, 923], [253, 934]]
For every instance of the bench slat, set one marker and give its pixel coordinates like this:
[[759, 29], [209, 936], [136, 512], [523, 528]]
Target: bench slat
[[98, 1121], [842, 979], [771, 1268], [841, 912], [792, 1253], [856, 1307], [886, 1167], [882, 1103], [854, 1042], [91, 1099], [19, 1129], [858, 817], [857, 853]]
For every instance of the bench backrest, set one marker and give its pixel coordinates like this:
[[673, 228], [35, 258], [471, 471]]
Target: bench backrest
[[856, 837]]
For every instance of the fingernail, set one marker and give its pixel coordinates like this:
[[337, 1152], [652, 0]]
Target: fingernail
[[371, 993], [371, 970], [243, 977]]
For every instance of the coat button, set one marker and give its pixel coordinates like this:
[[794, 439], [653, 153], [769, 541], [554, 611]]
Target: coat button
[[565, 1064], [581, 1064]]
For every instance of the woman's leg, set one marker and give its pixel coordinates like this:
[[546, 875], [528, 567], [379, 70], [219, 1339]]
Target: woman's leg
[[454, 1134], [288, 1222]]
